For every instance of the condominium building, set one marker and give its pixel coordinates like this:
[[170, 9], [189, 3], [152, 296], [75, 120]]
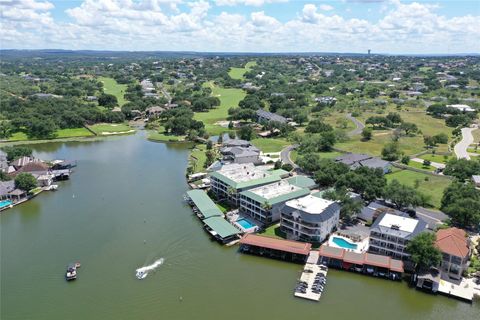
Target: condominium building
[[264, 203], [309, 218], [390, 234], [455, 248], [231, 179]]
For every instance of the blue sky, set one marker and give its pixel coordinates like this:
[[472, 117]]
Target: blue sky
[[387, 26]]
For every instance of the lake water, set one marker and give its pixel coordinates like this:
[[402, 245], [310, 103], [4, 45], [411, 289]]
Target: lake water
[[122, 210]]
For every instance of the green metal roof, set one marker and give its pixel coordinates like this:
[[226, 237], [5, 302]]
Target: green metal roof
[[246, 184], [320, 194], [282, 198], [279, 172], [221, 226], [203, 202], [302, 182]]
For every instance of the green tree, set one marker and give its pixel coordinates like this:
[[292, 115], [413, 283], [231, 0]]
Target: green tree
[[391, 151], [6, 129], [423, 251], [246, 133], [15, 152], [107, 100], [462, 169], [402, 196], [405, 160], [409, 128], [25, 181], [367, 134]]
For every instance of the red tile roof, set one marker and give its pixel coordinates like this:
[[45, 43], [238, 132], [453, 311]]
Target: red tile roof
[[453, 241], [277, 244]]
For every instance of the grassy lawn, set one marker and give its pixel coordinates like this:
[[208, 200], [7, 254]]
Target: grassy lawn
[[476, 135], [228, 98], [110, 128], [198, 157], [74, 132], [419, 165], [433, 186], [270, 144], [274, 232], [408, 145], [161, 136], [472, 150], [18, 136], [111, 86], [237, 73], [335, 117], [61, 133], [436, 158]]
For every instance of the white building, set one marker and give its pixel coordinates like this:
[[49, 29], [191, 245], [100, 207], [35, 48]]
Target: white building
[[265, 203], [231, 179], [461, 107], [390, 234], [309, 218]]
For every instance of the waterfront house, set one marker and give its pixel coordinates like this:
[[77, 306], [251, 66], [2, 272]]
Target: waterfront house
[[5, 188], [240, 154], [366, 263], [309, 218], [231, 179], [455, 248], [154, 112], [390, 234], [34, 167], [236, 143], [265, 203], [20, 162], [357, 160], [266, 116]]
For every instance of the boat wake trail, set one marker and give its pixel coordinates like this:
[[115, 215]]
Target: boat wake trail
[[142, 273]]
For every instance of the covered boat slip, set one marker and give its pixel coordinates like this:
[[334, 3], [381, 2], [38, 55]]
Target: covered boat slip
[[367, 263], [275, 248], [212, 217], [205, 207]]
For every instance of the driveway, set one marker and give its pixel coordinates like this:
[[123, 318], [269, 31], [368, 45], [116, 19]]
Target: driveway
[[433, 218], [433, 164], [358, 124], [461, 147], [285, 155]]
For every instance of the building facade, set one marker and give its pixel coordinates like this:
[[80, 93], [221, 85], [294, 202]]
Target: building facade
[[390, 234], [455, 248], [265, 203], [309, 218]]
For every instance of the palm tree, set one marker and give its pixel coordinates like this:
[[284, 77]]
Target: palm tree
[[266, 206]]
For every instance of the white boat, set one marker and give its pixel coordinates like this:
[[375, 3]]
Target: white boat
[[141, 275]]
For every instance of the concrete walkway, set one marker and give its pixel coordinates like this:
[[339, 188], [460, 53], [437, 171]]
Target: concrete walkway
[[461, 147], [357, 123], [433, 164]]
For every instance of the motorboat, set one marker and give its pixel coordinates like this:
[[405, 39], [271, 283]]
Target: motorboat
[[71, 273], [141, 275]]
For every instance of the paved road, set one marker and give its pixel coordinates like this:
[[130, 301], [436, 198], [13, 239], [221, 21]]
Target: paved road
[[285, 155], [358, 124], [461, 147]]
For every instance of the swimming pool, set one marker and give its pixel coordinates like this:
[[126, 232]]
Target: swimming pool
[[245, 223], [344, 243], [5, 203]]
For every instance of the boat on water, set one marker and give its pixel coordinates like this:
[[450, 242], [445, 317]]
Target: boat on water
[[141, 275], [71, 273]]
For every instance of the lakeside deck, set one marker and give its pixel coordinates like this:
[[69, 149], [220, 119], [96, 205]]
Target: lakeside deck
[[310, 272]]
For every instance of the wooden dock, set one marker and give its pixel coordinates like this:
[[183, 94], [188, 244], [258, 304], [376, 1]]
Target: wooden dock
[[309, 273]]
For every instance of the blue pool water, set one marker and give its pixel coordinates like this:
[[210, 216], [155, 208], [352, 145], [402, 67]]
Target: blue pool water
[[344, 243], [245, 223], [5, 203]]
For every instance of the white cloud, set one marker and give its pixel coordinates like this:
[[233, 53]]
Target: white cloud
[[255, 3], [326, 7], [156, 25]]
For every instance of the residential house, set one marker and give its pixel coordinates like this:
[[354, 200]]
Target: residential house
[[154, 112], [390, 234], [309, 218], [5, 188], [461, 107], [356, 160], [266, 116], [264, 203], [239, 151], [455, 248]]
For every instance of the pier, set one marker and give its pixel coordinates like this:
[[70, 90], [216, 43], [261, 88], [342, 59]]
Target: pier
[[311, 274]]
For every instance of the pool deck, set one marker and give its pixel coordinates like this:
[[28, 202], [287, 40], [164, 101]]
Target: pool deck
[[362, 246], [308, 275]]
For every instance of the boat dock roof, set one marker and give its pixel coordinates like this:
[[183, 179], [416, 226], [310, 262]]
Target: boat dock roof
[[204, 204], [290, 246], [221, 227]]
